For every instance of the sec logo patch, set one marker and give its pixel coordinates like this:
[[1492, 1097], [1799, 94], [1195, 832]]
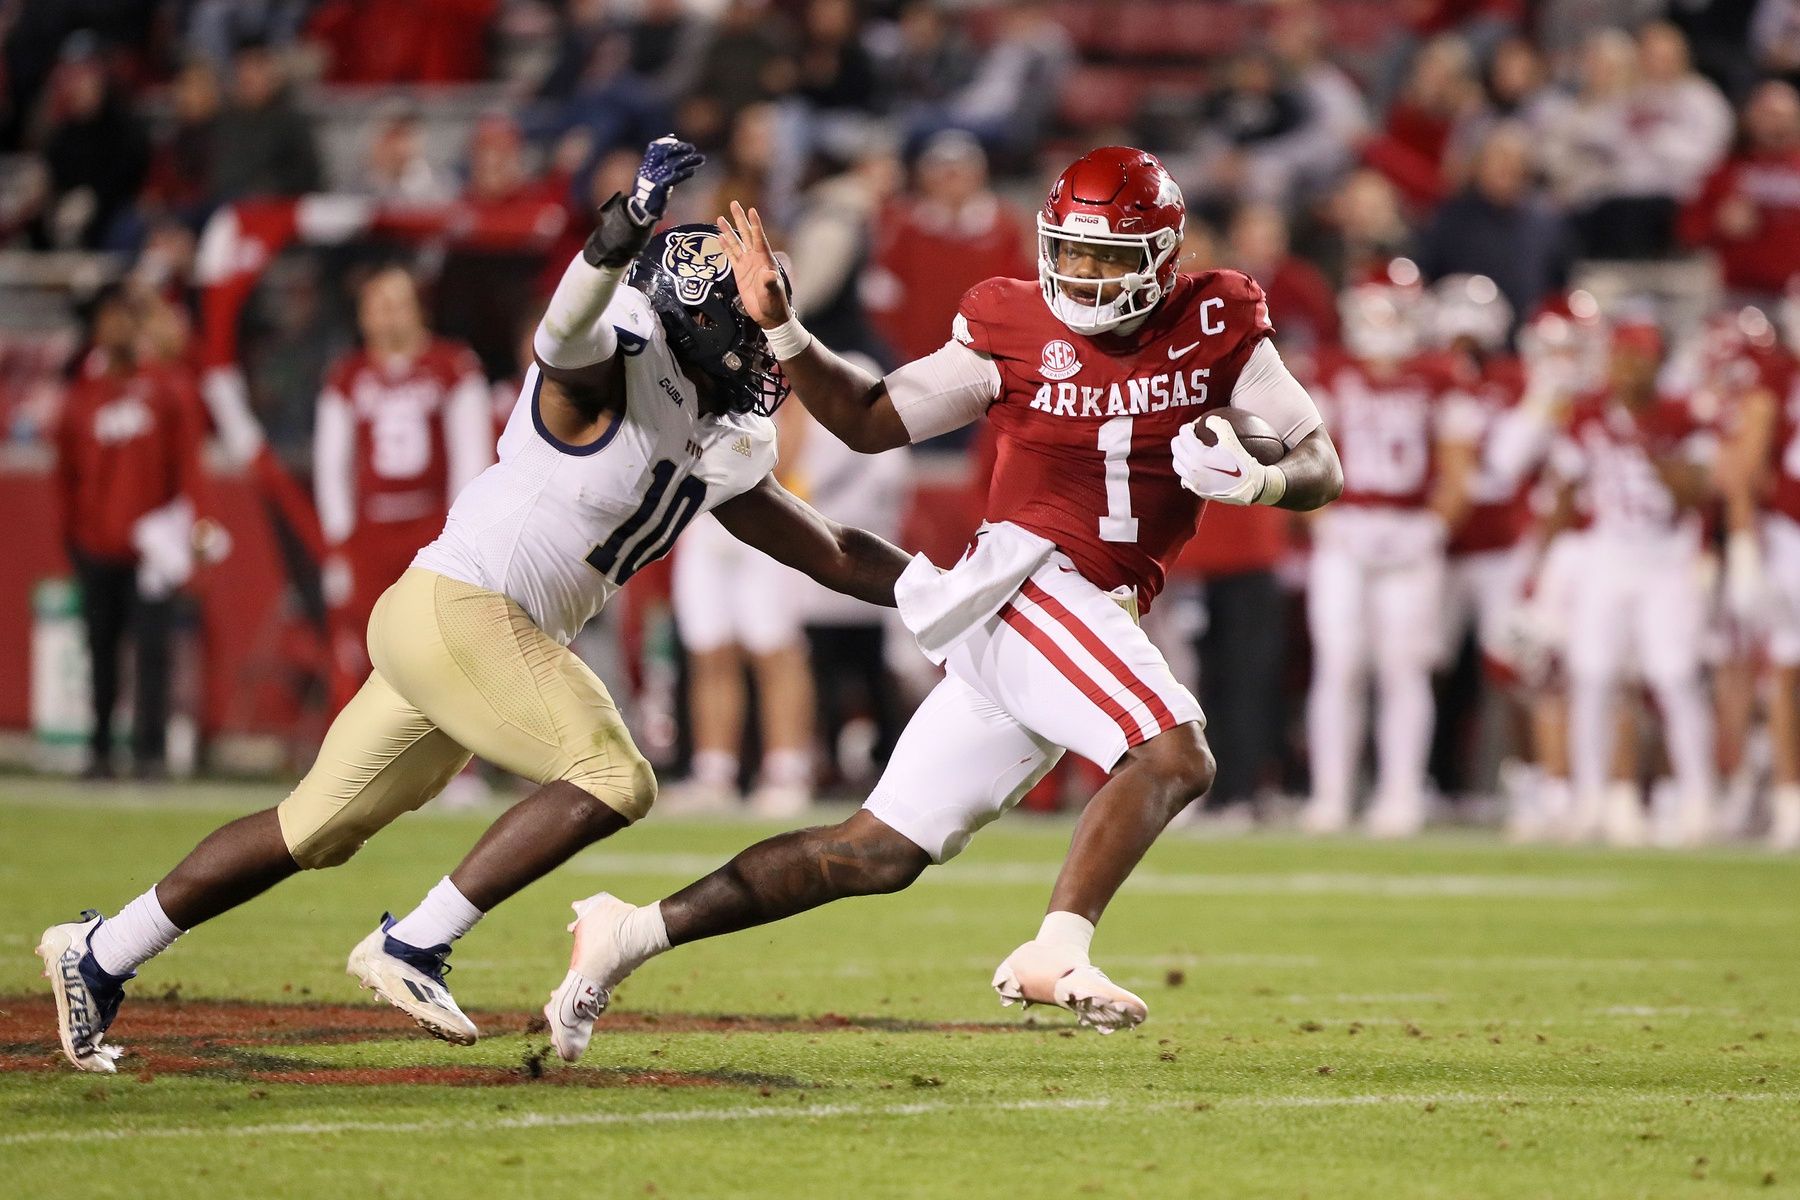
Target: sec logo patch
[[1059, 360]]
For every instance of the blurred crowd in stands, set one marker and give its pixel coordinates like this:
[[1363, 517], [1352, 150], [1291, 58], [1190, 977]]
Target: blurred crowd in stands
[[1640, 155]]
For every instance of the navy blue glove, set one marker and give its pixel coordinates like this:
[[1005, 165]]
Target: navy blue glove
[[667, 162], [626, 222]]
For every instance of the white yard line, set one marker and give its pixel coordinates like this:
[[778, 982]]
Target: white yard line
[[818, 1112]]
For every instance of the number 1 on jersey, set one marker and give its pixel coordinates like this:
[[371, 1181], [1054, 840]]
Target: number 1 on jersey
[[1118, 525]]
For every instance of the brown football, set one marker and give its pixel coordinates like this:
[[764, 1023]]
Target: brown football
[[1257, 435]]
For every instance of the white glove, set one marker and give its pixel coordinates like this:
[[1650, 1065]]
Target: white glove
[[1224, 471], [1746, 592]]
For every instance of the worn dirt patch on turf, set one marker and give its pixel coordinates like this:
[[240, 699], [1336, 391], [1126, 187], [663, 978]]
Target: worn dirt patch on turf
[[229, 1039]]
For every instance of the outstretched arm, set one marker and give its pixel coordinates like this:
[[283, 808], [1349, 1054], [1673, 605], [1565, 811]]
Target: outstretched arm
[[853, 404], [845, 559]]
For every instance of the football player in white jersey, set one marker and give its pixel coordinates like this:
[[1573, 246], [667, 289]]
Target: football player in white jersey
[[648, 404]]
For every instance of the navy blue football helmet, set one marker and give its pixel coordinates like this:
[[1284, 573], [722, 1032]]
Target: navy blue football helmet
[[688, 280]]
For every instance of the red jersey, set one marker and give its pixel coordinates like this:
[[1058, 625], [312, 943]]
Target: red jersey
[[1610, 453], [127, 444], [1763, 259], [1784, 491], [1083, 423], [1498, 515], [1387, 425], [400, 469]]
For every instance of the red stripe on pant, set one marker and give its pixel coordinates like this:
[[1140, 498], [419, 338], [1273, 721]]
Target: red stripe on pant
[[1090, 641], [1054, 654]]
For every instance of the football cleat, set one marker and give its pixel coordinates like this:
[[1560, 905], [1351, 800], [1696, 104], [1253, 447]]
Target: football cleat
[[1037, 973], [87, 998], [412, 980], [598, 964]]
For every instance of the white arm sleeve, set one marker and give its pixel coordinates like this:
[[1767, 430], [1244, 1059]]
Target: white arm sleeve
[[1521, 440], [1267, 388], [945, 390], [334, 472], [468, 432], [575, 332]]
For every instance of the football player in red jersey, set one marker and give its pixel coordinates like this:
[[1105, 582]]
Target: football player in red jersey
[[1093, 376], [1637, 463], [1761, 478], [403, 423], [1375, 593]]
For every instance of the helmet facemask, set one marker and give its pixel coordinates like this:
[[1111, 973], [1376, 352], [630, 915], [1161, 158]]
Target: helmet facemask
[[1135, 290]]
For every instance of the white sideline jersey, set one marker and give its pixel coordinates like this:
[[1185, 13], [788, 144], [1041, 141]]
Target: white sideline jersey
[[559, 528]]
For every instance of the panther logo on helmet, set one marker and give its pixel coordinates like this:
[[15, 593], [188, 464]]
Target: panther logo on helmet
[[697, 261]]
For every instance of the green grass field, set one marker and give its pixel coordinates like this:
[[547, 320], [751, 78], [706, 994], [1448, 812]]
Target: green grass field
[[1450, 1018]]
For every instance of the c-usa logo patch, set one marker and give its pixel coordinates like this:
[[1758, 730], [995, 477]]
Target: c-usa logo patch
[[697, 261], [1059, 360]]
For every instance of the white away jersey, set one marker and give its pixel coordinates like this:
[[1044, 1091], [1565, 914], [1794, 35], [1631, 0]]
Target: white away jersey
[[559, 528]]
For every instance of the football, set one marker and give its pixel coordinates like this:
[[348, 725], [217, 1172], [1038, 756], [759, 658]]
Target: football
[[1257, 435]]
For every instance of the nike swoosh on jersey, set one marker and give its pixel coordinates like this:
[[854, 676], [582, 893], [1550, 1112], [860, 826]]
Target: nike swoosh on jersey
[[1174, 353]]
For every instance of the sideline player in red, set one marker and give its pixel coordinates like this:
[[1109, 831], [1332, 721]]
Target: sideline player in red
[[1093, 375], [404, 422]]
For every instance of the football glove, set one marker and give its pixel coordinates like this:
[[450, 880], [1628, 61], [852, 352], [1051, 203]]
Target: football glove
[[627, 222], [1223, 471]]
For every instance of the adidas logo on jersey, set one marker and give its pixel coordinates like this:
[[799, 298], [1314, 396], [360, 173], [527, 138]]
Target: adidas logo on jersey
[[742, 446]]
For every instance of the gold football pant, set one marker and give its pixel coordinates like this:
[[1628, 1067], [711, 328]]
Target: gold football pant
[[458, 670]]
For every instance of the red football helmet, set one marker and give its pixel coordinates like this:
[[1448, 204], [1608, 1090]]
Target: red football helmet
[[1111, 197]]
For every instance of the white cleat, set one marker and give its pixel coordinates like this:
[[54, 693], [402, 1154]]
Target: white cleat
[[412, 980], [1318, 819], [598, 964], [1037, 973], [87, 999], [1394, 820]]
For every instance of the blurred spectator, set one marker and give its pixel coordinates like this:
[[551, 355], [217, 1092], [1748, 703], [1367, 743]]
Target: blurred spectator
[[1639, 139], [1563, 26], [922, 56], [216, 28], [831, 247], [616, 79], [128, 475], [395, 167], [836, 71], [262, 144], [1748, 213], [749, 59], [32, 38], [750, 171], [1298, 293], [181, 168], [403, 41], [1290, 168], [1516, 88], [1254, 108], [951, 233], [95, 147], [1016, 89], [1497, 227], [1774, 35], [1440, 91], [1359, 230]]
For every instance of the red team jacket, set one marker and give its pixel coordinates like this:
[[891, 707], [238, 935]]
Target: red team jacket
[[1083, 423], [128, 444]]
